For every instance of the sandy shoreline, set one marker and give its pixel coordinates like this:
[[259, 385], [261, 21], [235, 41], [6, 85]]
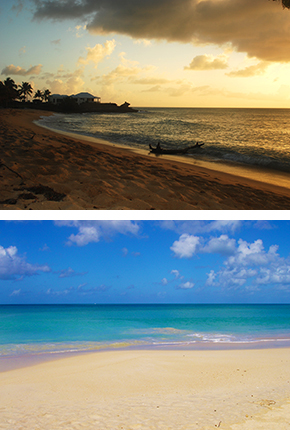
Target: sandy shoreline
[[237, 390], [42, 169]]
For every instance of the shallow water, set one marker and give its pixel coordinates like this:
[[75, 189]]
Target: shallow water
[[55, 329]]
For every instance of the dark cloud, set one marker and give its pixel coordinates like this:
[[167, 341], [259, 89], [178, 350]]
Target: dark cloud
[[259, 28]]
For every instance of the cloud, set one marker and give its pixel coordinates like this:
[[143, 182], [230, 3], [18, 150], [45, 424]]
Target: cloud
[[22, 50], [15, 293], [13, 266], [94, 231], [254, 70], [259, 28], [17, 70], [98, 53], [66, 83], [126, 69], [200, 227], [186, 246], [186, 286], [251, 266], [207, 62], [176, 273], [69, 273], [150, 81], [144, 42], [56, 42], [220, 245]]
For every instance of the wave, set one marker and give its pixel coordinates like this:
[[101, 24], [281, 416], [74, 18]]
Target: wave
[[231, 136]]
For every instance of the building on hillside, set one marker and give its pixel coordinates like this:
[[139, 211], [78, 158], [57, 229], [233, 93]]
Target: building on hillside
[[86, 98], [80, 98]]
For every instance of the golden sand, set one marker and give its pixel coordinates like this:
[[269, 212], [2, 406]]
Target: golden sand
[[166, 390], [42, 169]]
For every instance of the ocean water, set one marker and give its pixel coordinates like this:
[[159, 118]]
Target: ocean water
[[52, 329], [248, 137]]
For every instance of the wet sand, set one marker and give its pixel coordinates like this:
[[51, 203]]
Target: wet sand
[[42, 169], [166, 390]]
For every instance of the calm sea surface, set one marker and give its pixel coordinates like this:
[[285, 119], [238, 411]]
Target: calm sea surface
[[42, 329], [249, 137]]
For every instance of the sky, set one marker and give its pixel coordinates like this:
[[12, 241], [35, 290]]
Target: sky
[[185, 53], [122, 261]]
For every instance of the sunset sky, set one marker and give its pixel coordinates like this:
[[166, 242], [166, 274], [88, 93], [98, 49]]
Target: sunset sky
[[218, 53], [126, 261]]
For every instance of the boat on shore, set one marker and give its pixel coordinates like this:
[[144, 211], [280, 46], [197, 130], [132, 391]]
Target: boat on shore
[[181, 151]]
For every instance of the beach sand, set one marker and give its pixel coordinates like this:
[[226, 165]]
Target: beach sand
[[170, 390], [42, 169]]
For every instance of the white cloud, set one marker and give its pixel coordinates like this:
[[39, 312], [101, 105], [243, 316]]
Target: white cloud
[[252, 254], [186, 246], [94, 231], [252, 267], [13, 266], [176, 274], [98, 53], [186, 285]]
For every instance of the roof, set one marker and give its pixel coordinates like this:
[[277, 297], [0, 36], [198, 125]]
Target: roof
[[84, 96], [57, 95]]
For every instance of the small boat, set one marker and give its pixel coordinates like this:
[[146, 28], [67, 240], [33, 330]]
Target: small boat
[[159, 150]]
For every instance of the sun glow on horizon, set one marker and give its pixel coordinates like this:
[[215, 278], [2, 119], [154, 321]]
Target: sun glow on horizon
[[139, 52]]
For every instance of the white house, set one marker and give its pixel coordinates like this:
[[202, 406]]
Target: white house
[[86, 98], [80, 98]]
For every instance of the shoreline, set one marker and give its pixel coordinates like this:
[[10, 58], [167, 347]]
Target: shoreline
[[251, 172], [46, 170], [233, 390], [31, 358]]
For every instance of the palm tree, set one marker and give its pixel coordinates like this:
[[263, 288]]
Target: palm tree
[[38, 95], [8, 92], [25, 90], [46, 94], [10, 84]]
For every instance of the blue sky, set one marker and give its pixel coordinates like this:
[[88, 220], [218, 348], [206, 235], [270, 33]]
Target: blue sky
[[190, 53], [144, 262]]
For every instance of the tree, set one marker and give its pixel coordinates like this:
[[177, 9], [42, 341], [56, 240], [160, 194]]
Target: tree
[[46, 94], [25, 90], [38, 95], [8, 92], [10, 84]]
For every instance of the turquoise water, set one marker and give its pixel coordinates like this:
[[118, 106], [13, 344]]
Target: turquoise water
[[39, 329], [250, 137]]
